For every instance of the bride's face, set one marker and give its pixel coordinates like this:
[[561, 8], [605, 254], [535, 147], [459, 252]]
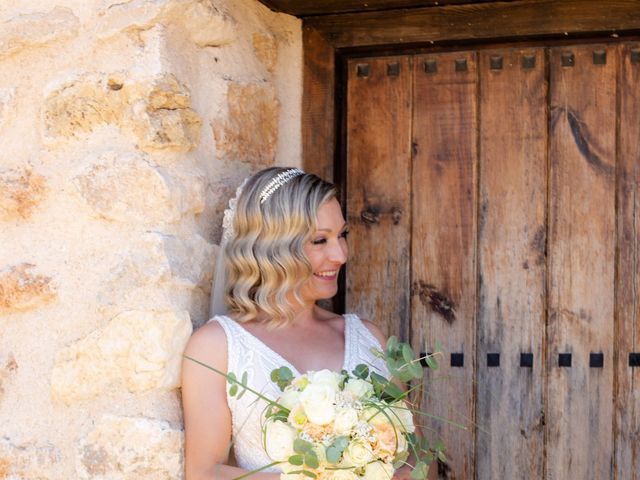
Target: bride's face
[[327, 252]]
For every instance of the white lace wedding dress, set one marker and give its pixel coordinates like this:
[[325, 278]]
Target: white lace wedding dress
[[246, 353]]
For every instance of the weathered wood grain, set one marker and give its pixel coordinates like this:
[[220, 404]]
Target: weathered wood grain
[[318, 105], [522, 18], [628, 274], [581, 262], [444, 243], [378, 191], [301, 8], [512, 263]]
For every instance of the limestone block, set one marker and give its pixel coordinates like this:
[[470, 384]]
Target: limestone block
[[84, 104], [20, 192], [156, 111], [126, 448], [163, 118], [6, 372], [128, 187], [207, 25], [27, 461], [36, 29], [202, 21], [250, 131], [266, 49], [142, 349], [22, 290]]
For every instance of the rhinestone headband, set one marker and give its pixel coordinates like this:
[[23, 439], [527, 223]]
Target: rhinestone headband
[[278, 181]]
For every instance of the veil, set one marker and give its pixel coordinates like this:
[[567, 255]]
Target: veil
[[218, 305]]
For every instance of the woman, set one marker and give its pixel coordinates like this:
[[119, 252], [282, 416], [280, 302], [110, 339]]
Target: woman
[[287, 249]]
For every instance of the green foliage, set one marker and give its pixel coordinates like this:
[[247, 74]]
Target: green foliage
[[361, 371], [335, 450], [282, 377]]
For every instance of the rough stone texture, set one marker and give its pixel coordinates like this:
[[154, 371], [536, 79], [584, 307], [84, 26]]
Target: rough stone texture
[[7, 105], [22, 290], [128, 187], [6, 372], [28, 461], [204, 22], [266, 47], [20, 192], [131, 449], [156, 112], [142, 349], [250, 131], [36, 29]]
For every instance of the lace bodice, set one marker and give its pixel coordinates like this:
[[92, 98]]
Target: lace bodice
[[246, 353]]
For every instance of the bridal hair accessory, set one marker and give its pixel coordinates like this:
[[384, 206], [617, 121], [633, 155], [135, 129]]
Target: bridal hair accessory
[[277, 182]]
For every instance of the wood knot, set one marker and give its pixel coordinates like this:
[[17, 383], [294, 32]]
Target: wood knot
[[435, 300]]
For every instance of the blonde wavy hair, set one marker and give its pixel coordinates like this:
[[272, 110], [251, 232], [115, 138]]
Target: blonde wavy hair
[[266, 265]]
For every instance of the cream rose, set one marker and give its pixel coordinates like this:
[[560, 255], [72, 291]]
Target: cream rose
[[318, 402], [346, 419], [358, 389], [357, 454], [325, 377], [378, 471], [339, 475], [378, 415], [289, 399], [279, 440], [402, 417]]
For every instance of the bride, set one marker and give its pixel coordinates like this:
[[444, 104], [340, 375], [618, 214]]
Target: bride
[[286, 249]]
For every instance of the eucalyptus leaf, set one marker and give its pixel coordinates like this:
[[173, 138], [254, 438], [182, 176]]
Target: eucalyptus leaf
[[361, 371], [301, 446], [296, 460]]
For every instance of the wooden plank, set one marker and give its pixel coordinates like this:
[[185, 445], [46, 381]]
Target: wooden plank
[[301, 8], [512, 263], [378, 190], [581, 262], [318, 105], [628, 276], [443, 243], [522, 18]]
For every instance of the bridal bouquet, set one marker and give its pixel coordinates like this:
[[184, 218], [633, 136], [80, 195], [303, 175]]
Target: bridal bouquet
[[348, 425]]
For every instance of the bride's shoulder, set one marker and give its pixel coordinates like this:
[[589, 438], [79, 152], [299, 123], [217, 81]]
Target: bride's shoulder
[[374, 330], [207, 341]]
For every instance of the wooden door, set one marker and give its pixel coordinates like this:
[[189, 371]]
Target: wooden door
[[493, 197]]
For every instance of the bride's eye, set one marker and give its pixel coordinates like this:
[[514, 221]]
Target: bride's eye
[[319, 241], [344, 234]]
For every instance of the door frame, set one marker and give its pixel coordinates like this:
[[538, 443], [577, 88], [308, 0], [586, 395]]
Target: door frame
[[329, 39]]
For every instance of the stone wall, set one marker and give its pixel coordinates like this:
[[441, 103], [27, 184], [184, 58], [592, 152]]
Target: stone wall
[[126, 125]]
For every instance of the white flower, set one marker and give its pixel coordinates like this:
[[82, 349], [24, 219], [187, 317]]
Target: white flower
[[340, 475], [378, 414], [358, 389], [297, 418], [402, 417], [378, 471], [325, 377], [346, 419], [319, 403], [358, 453], [279, 440], [289, 399]]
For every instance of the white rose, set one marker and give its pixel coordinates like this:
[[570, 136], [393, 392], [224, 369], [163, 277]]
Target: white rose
[[358, 389], [340, 475], [325, 377], [279, 440], [346, 419], [289, 399], [378, 471], [402, 417], [357, 454], [377, 415], [318, 403]]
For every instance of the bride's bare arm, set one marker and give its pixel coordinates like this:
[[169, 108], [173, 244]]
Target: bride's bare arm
[[207, 419]]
